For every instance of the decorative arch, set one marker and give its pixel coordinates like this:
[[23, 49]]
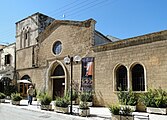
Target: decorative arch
[[57, 76], [26, 77], [138, 77], [121, 77]]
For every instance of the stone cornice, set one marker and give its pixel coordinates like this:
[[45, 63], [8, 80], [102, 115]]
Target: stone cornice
[[144, 39]]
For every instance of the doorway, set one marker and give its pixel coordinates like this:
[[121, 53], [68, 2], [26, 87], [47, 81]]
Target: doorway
[[1, 87], [58, 87], [58, 82], [23, 85]]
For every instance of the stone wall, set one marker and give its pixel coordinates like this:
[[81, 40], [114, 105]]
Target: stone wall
[[151, 55]]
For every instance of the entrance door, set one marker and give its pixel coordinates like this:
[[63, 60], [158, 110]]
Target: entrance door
[[1, 87], [58, 87], [23, 89], [58, 78]]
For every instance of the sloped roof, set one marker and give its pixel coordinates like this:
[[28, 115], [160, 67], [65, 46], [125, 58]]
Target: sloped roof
[[57, 23]]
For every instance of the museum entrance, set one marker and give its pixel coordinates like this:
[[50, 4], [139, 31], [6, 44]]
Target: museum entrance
[[58, 80], [58, 87]]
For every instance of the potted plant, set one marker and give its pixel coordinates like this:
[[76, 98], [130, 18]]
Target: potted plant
[[15, 98], [84, 109], [119, 113], [74, 96], [45, 100], [87, 97], [2, 97], [61, 104], [127, 99], [155, 100]]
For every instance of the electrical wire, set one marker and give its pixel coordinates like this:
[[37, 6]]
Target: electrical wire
[[72, 9]]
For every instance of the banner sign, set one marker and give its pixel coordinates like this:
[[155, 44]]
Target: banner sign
[[87, 74]]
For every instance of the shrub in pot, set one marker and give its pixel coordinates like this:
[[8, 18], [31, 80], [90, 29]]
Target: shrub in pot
[[74, 96], [61, 104], [16, 98], [2, 97], [45, 100], [155, 98], [115, 109], [119, 113], [127, 99], [87, 97], [84, 109]]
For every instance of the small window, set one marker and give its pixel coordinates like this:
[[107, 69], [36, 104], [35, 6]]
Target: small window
[[7, 59], [57, 48]]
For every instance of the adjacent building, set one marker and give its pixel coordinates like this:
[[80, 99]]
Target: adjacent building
[[7, 66]]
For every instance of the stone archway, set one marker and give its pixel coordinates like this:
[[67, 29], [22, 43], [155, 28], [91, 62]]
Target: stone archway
[[23, 84], [57, 84], [58, 78]]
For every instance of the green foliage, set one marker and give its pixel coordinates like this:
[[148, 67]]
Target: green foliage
[[16, 97], [125, 111], [2, 95], [45, 99], [127, 97], [86, 97], [8, 90], [74, 94], [114, 109], [62, 102], [155, 98], [83, 105]]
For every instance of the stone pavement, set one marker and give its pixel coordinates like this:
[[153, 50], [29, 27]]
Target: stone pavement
[[97, 113]]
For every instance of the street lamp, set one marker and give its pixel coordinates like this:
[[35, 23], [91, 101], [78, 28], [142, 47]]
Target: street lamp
[[70, 60]]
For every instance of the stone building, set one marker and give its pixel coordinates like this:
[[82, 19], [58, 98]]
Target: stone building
[[7, 65], [27, 30], [136, 63]]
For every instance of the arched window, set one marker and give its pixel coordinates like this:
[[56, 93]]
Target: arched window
[[121, 78], [138, 82]]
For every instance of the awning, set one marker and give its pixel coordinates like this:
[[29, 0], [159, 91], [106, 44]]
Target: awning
[[23, 81]]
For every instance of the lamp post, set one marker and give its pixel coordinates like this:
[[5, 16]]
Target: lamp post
[[71, 60]]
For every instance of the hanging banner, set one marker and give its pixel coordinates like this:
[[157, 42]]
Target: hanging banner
[[87, 74]]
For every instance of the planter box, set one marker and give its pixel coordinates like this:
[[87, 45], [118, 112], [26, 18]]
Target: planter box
[[15, 102], [156, 110], [140, 107], [133, 108], [84, 112], [90, 104], [61, 109], [2, 100], [121, 117], [46, 107]]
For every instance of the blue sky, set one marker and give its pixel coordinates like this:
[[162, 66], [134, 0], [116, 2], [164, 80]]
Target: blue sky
[[119, 18]]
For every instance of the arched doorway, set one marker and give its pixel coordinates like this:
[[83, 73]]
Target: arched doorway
[[58, 80], [23, 85], [6, 86]]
